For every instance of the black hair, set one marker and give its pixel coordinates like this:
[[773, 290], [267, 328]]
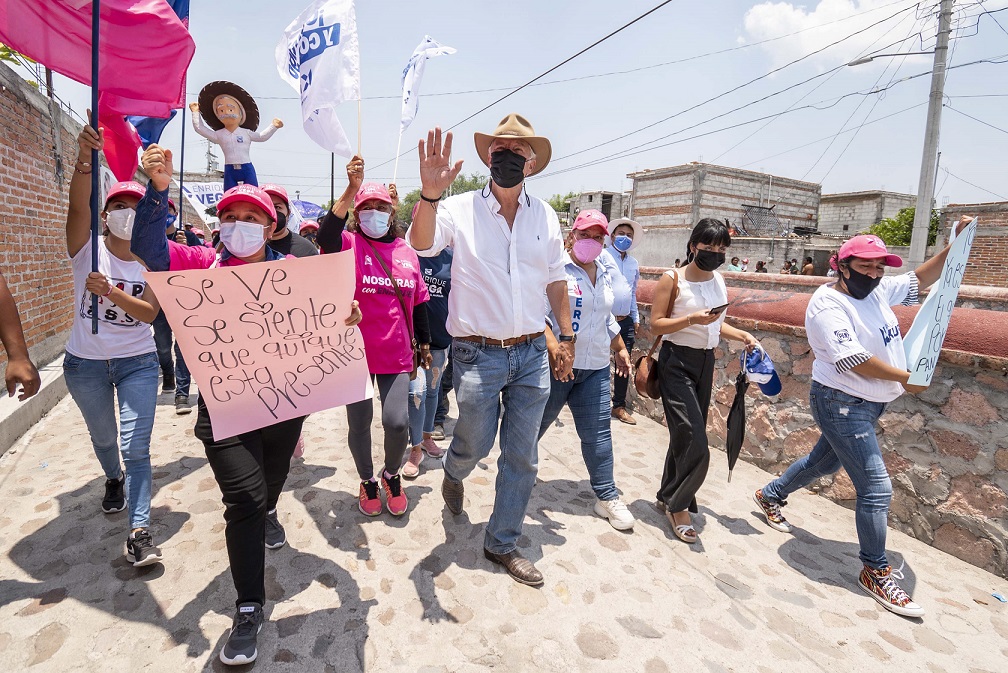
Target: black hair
[[734, 259], [808, 260], [708, 231]]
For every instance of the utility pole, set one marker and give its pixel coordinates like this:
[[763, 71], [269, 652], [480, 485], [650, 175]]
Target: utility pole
[[925, 186]]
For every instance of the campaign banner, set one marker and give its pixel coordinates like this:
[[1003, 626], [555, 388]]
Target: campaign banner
[[923, 342], [202, 195], [267, 342]]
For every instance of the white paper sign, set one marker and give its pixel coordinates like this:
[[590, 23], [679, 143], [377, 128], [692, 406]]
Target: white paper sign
[[923, 342]]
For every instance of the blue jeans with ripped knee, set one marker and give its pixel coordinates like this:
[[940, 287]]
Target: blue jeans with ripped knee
[[848, 440], [425, 393]]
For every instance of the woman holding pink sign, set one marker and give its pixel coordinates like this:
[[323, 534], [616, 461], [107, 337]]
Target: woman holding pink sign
[[250, 468], [393, 293]]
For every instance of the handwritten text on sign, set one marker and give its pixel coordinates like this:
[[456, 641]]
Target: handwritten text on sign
[[267, 342], [923, 342]]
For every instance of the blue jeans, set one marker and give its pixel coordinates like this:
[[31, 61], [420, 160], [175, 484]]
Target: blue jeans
[[425, 393], [620, 383], [163, 342], [245, 173], [93, 384], [848, 440], [447, 383], [485, 377], [588, 398]]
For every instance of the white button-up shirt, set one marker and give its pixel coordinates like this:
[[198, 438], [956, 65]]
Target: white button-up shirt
[[235, 146], [499, 273], [591, 315], [627, 266]]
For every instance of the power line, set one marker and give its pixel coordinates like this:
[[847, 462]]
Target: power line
[[982, 189], [996, 128]]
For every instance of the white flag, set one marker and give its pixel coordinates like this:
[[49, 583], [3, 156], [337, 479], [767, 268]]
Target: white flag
[[412, 75], [319, 56]]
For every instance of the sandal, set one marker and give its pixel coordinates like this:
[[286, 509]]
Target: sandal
[[684, 532]]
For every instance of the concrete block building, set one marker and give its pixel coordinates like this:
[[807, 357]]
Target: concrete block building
[[850, 213], [611, 204]]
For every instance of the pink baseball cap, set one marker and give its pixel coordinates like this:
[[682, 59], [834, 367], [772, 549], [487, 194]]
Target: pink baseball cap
[[248, 194], [587, 219], [310, 225], [868, 246], [372, 190], [276, 190], [198, 232], [130, 188]]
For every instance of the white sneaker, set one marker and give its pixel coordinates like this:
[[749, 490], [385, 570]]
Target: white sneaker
[[616, 512]]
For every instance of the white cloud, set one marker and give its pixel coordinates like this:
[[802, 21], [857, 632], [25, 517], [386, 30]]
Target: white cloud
[[829, 21]]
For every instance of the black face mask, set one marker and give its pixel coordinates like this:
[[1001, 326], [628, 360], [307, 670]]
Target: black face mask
[[281, 222], [507, 168], [860, 285], [708, 260]]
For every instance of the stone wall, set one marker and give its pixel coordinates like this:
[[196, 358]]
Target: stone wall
[[853, 212], [946, 449]]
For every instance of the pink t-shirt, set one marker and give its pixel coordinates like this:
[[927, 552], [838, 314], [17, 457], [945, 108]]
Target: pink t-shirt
[[384, 328], [185, 257]]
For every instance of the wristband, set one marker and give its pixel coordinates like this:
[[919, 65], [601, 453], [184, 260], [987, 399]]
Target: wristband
[[689, 320], [110, 288], [424, 198]]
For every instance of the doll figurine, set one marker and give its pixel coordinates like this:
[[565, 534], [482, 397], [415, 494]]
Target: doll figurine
[[232, 116]]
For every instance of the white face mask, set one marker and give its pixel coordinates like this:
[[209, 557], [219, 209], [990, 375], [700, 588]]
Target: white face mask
[[374, 223], [242, 239], [120, 222]]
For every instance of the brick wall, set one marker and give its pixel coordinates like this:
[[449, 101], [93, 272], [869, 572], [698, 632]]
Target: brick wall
[[988, 264], [32, 215]]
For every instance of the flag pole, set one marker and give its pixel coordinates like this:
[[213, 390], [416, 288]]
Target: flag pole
[[181, 170], [332, 179], [395, 171], [95, 166], [358, 126]]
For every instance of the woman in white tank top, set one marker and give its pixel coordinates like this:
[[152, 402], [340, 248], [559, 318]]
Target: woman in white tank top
[[691, 330]]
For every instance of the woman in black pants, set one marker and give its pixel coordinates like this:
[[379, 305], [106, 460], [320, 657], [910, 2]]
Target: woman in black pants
[[689, 310]]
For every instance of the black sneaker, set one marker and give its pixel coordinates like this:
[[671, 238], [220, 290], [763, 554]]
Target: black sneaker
[[167, 382], [182, 405], [140, 549], [115, 496], [240, 647], [276, 537]]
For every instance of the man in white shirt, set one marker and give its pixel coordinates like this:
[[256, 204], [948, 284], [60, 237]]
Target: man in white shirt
[[233, 118], [508, 250]]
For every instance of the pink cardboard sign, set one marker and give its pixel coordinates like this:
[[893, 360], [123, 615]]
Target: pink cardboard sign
[[267, 342]]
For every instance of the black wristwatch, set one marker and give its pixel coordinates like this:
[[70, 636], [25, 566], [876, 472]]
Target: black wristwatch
[[567, 337]]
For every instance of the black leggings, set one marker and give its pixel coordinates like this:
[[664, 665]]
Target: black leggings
[[394, 391], [686, 376], [250, 470]]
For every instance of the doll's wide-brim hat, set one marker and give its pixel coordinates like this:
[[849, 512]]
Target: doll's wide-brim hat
[[209, 94], [515, 126]]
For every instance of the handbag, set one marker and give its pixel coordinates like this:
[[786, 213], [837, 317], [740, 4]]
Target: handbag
[[407, 315], [646, 367]]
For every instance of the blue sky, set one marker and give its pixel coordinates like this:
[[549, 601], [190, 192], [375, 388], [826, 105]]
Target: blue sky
[[501, 46]]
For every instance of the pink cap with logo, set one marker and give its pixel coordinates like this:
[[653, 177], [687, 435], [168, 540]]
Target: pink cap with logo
[[372, 191], [587, 219], [276, 190], [248, 194], [129, 188], [868, 246]]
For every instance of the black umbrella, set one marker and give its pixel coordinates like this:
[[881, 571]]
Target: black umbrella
[[736, 422]]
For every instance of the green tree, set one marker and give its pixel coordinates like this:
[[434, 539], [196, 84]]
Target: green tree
[[898, 230], [560, 202], [211, 211], [463, 183], [8, 55]]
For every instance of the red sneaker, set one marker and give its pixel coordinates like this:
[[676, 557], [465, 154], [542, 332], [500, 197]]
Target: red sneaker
[[368, 501], [395, 499]]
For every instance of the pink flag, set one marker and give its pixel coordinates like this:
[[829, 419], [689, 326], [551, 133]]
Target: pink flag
[[144, 47]]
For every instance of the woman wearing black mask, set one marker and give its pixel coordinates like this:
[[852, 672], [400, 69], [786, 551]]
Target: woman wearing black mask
[[684, 312], [859, 367]]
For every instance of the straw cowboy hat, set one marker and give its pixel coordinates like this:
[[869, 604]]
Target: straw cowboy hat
[[515, 126], [209, 94]]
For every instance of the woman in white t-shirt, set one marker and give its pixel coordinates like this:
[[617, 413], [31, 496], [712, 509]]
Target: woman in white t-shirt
[[120, 361], [692, 329], [859, 367]]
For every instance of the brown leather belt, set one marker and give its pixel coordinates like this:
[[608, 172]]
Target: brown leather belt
[[501, 343]]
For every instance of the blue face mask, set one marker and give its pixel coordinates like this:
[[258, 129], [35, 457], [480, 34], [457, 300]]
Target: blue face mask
[[373, 223], [172, 219], [622, 242]]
